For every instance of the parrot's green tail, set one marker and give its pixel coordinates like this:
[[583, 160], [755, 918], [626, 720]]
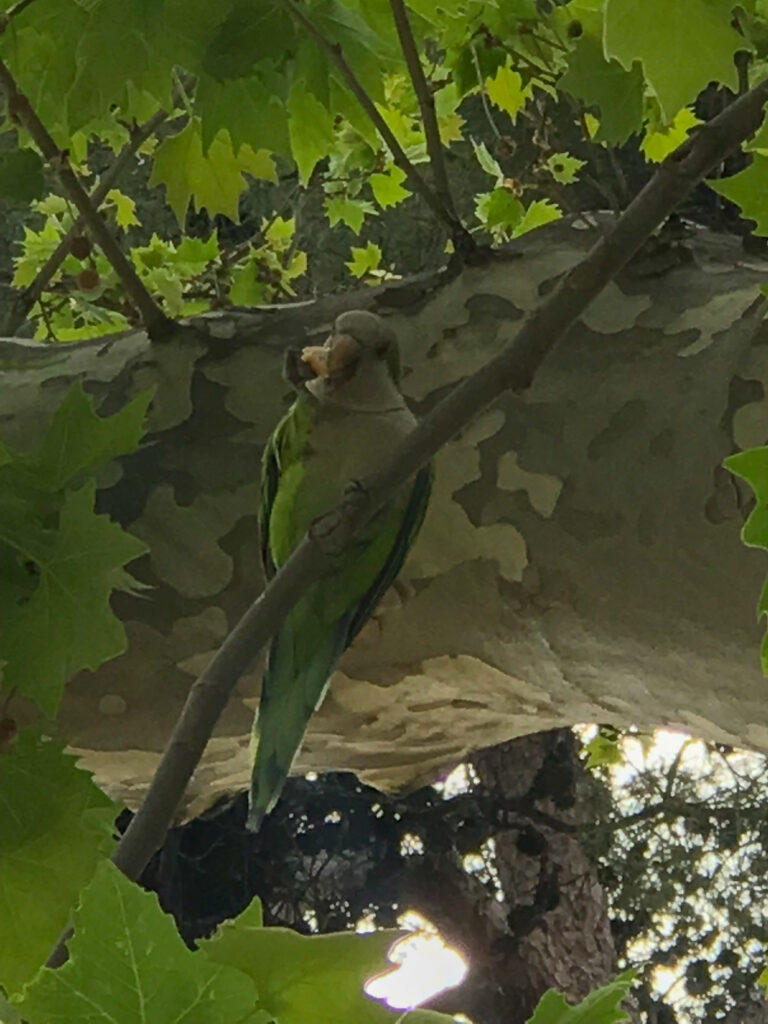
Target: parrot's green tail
[[301, 661]]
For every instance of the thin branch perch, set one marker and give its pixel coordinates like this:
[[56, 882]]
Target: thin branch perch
[[20, 108]]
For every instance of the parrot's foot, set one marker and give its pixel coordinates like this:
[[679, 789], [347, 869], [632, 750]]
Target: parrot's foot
[[332, 531]]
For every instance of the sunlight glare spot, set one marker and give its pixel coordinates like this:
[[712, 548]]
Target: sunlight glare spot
[[425, 965]]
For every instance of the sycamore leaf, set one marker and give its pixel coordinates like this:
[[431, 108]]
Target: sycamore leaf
[[310, 128], [749, 190], [540, 212], [55, 826], [752, 465], [300, 978], [62, 622], [507, 91], [683, 45], [488, 163], [599, 1007], [128, 963], [564, 168], [605, 84], [387, 187], [604, 749], [213, 180], [125, 208], [251, 109], [80, 441], [364, 260], [499, 211], [658, 144], [351, 211]]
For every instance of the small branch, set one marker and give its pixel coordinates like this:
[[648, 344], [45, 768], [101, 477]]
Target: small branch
[[155, 321], [462, 239], [483, 95], [417, 183], [512, 369], [32, 293]]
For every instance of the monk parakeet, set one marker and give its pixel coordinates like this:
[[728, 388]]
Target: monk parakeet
[[349, 414]]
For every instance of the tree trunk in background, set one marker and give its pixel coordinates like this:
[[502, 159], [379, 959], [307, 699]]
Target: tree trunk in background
[[580, 560], [334, 849]]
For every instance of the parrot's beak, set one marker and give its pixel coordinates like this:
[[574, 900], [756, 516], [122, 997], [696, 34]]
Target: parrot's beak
[[339, 352]]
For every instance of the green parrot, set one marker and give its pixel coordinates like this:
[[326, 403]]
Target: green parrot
[[349, 414]]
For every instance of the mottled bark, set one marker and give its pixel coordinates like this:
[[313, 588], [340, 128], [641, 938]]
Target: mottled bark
[[580, 560]]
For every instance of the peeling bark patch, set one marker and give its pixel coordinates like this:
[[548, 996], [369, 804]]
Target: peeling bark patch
[[542, 489], [494, 306], [613, 311]]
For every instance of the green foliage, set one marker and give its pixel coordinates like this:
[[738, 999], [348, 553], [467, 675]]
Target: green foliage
[[128, 963], [599, 1007], [752, 465], [55, 826], [59, 560], [604, 749], [305, 977]]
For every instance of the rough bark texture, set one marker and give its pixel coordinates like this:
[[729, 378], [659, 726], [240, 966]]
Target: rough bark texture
[[580, 560]]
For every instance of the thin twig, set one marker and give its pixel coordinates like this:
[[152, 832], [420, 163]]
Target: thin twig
[[512, 369], [32, 293], [483, 95], [19, 108], [417, 183], [462, 239]]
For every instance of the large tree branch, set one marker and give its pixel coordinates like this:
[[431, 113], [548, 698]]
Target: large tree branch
[[513, 368], [417, 183], [20, 108], [32, 293]]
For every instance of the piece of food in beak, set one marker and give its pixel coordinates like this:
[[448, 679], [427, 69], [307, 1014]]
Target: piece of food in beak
[[337, 353]]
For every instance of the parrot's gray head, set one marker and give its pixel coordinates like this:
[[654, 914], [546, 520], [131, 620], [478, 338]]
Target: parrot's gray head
[[358, 338]]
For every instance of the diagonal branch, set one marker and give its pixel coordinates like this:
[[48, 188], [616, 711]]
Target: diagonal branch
[[462, 240], [417, 183], [32, 293], [20, 108]]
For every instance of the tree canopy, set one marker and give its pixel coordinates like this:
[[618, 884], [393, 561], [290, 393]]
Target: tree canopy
[[331, 129]]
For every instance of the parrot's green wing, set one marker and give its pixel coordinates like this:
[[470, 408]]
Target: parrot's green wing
[[324, 622]]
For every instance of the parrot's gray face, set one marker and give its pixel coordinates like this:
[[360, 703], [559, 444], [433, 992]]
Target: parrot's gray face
[[358, 338]]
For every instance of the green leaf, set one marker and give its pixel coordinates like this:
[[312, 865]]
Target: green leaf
[[364, 260], [604, 749], [310, 128], [251, 109], [300, 978], [387, 187], [599, 1007], [351, 211], [658, 144], [55, 826], [214, 180], [540, 212], [79, 441], [8, 1014], [488, 163], [426, 1017], [21, 175], [247, 289], [683, 45], [752, 465], [749, 190], [605, 84], [129, 964], [507, 91], [762, 979], [66, 623], [564, 168], [125, 208], [499, 211]]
